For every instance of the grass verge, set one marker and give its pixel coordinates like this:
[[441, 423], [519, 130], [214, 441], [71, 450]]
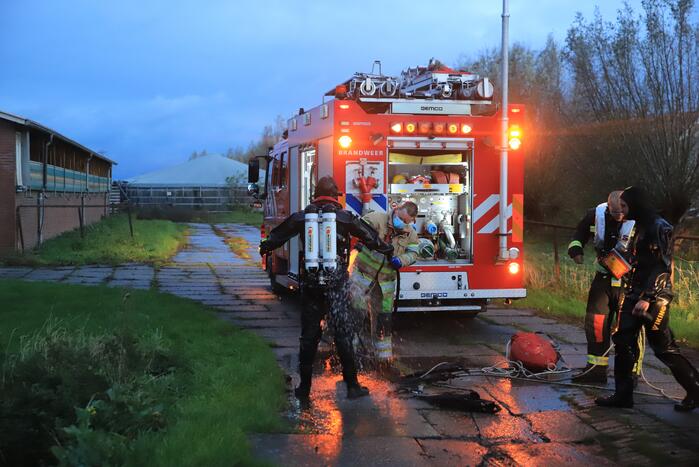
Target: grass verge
[[566, 297], [236, 216], [153, 379], [108, 242]]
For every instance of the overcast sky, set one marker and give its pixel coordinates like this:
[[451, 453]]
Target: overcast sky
[[150, 81]]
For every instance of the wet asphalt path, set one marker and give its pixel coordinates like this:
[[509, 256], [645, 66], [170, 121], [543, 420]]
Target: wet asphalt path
[[540, 424]]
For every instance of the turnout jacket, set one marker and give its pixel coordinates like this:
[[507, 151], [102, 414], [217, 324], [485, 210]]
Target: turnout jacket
[[405, 244], [348, 225], [605, 236]]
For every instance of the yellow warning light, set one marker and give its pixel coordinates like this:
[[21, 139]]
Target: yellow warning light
[[345, 141], [513, 268], [515, 137], [452, 128], [410, 127]]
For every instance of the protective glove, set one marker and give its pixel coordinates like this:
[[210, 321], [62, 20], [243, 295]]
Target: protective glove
[[396, 263], [264, 248], [575, 251]]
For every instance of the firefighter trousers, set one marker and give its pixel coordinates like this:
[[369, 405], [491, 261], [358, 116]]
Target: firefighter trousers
[[662, 342], [374, 289], [603, 302], [318, 303]]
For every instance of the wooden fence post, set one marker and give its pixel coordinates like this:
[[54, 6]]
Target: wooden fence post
[[128, 212], [556, 259], [81, 216]]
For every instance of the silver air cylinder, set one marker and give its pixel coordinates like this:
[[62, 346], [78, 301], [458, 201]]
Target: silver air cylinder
[[626, 233], [311, 241], [328, 240]]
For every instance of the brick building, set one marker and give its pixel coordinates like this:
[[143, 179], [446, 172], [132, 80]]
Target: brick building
[[40, 169]]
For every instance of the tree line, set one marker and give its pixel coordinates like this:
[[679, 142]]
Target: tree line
[[268, 137], [617, 104]]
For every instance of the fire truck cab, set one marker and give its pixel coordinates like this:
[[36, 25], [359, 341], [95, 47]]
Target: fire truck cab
[[431, 136]]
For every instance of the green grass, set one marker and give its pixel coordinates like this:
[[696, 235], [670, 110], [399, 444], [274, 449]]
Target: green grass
[[232, 383], [566, 297], [239, 216], [109, 242]]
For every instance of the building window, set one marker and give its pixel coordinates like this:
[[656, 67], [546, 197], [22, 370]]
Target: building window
[[19, 149]]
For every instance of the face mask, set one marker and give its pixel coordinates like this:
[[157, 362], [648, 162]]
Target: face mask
[[398, 223]]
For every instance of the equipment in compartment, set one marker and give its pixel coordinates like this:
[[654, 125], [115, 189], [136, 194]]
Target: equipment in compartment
[[442, 222], [438, 183]]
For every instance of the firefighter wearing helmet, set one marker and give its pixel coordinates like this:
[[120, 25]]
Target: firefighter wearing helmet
[[647, 305], [376, 276], [324, 283], [606, 227]]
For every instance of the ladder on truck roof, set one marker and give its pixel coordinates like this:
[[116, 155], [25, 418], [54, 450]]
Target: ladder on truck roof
[[435, 81]]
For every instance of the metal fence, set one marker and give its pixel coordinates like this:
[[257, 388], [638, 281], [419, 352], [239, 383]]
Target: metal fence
[[556, 229], [190, 197], [41, 208]]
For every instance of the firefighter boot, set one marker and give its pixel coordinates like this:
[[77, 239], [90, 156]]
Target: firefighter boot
[[685, 374], [356, 390], [623, 376], [383, 343], [592, 374], [688, 404], [615, 400], [303, 390], [345, 351]]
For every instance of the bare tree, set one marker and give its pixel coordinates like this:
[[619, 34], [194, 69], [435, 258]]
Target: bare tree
[[636, 86], [535, 81]]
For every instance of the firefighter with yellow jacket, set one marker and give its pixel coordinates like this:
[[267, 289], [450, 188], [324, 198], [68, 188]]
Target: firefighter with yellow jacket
[[376, 276]]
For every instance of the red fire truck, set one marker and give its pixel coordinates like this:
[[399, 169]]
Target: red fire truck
[[432, 136]]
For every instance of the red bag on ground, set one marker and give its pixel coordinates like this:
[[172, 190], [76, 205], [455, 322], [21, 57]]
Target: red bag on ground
[[534, 351]]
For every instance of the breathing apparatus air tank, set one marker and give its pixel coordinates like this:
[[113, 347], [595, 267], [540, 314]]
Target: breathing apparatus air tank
[[626, 233], [328, 239], [311, 240]]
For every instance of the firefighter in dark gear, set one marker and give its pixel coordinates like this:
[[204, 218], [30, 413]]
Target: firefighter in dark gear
[[647, 305], [605, 226], [329, 298]]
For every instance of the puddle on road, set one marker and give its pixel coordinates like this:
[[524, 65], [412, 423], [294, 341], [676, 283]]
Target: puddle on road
[[388, 413], [382, 413]]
